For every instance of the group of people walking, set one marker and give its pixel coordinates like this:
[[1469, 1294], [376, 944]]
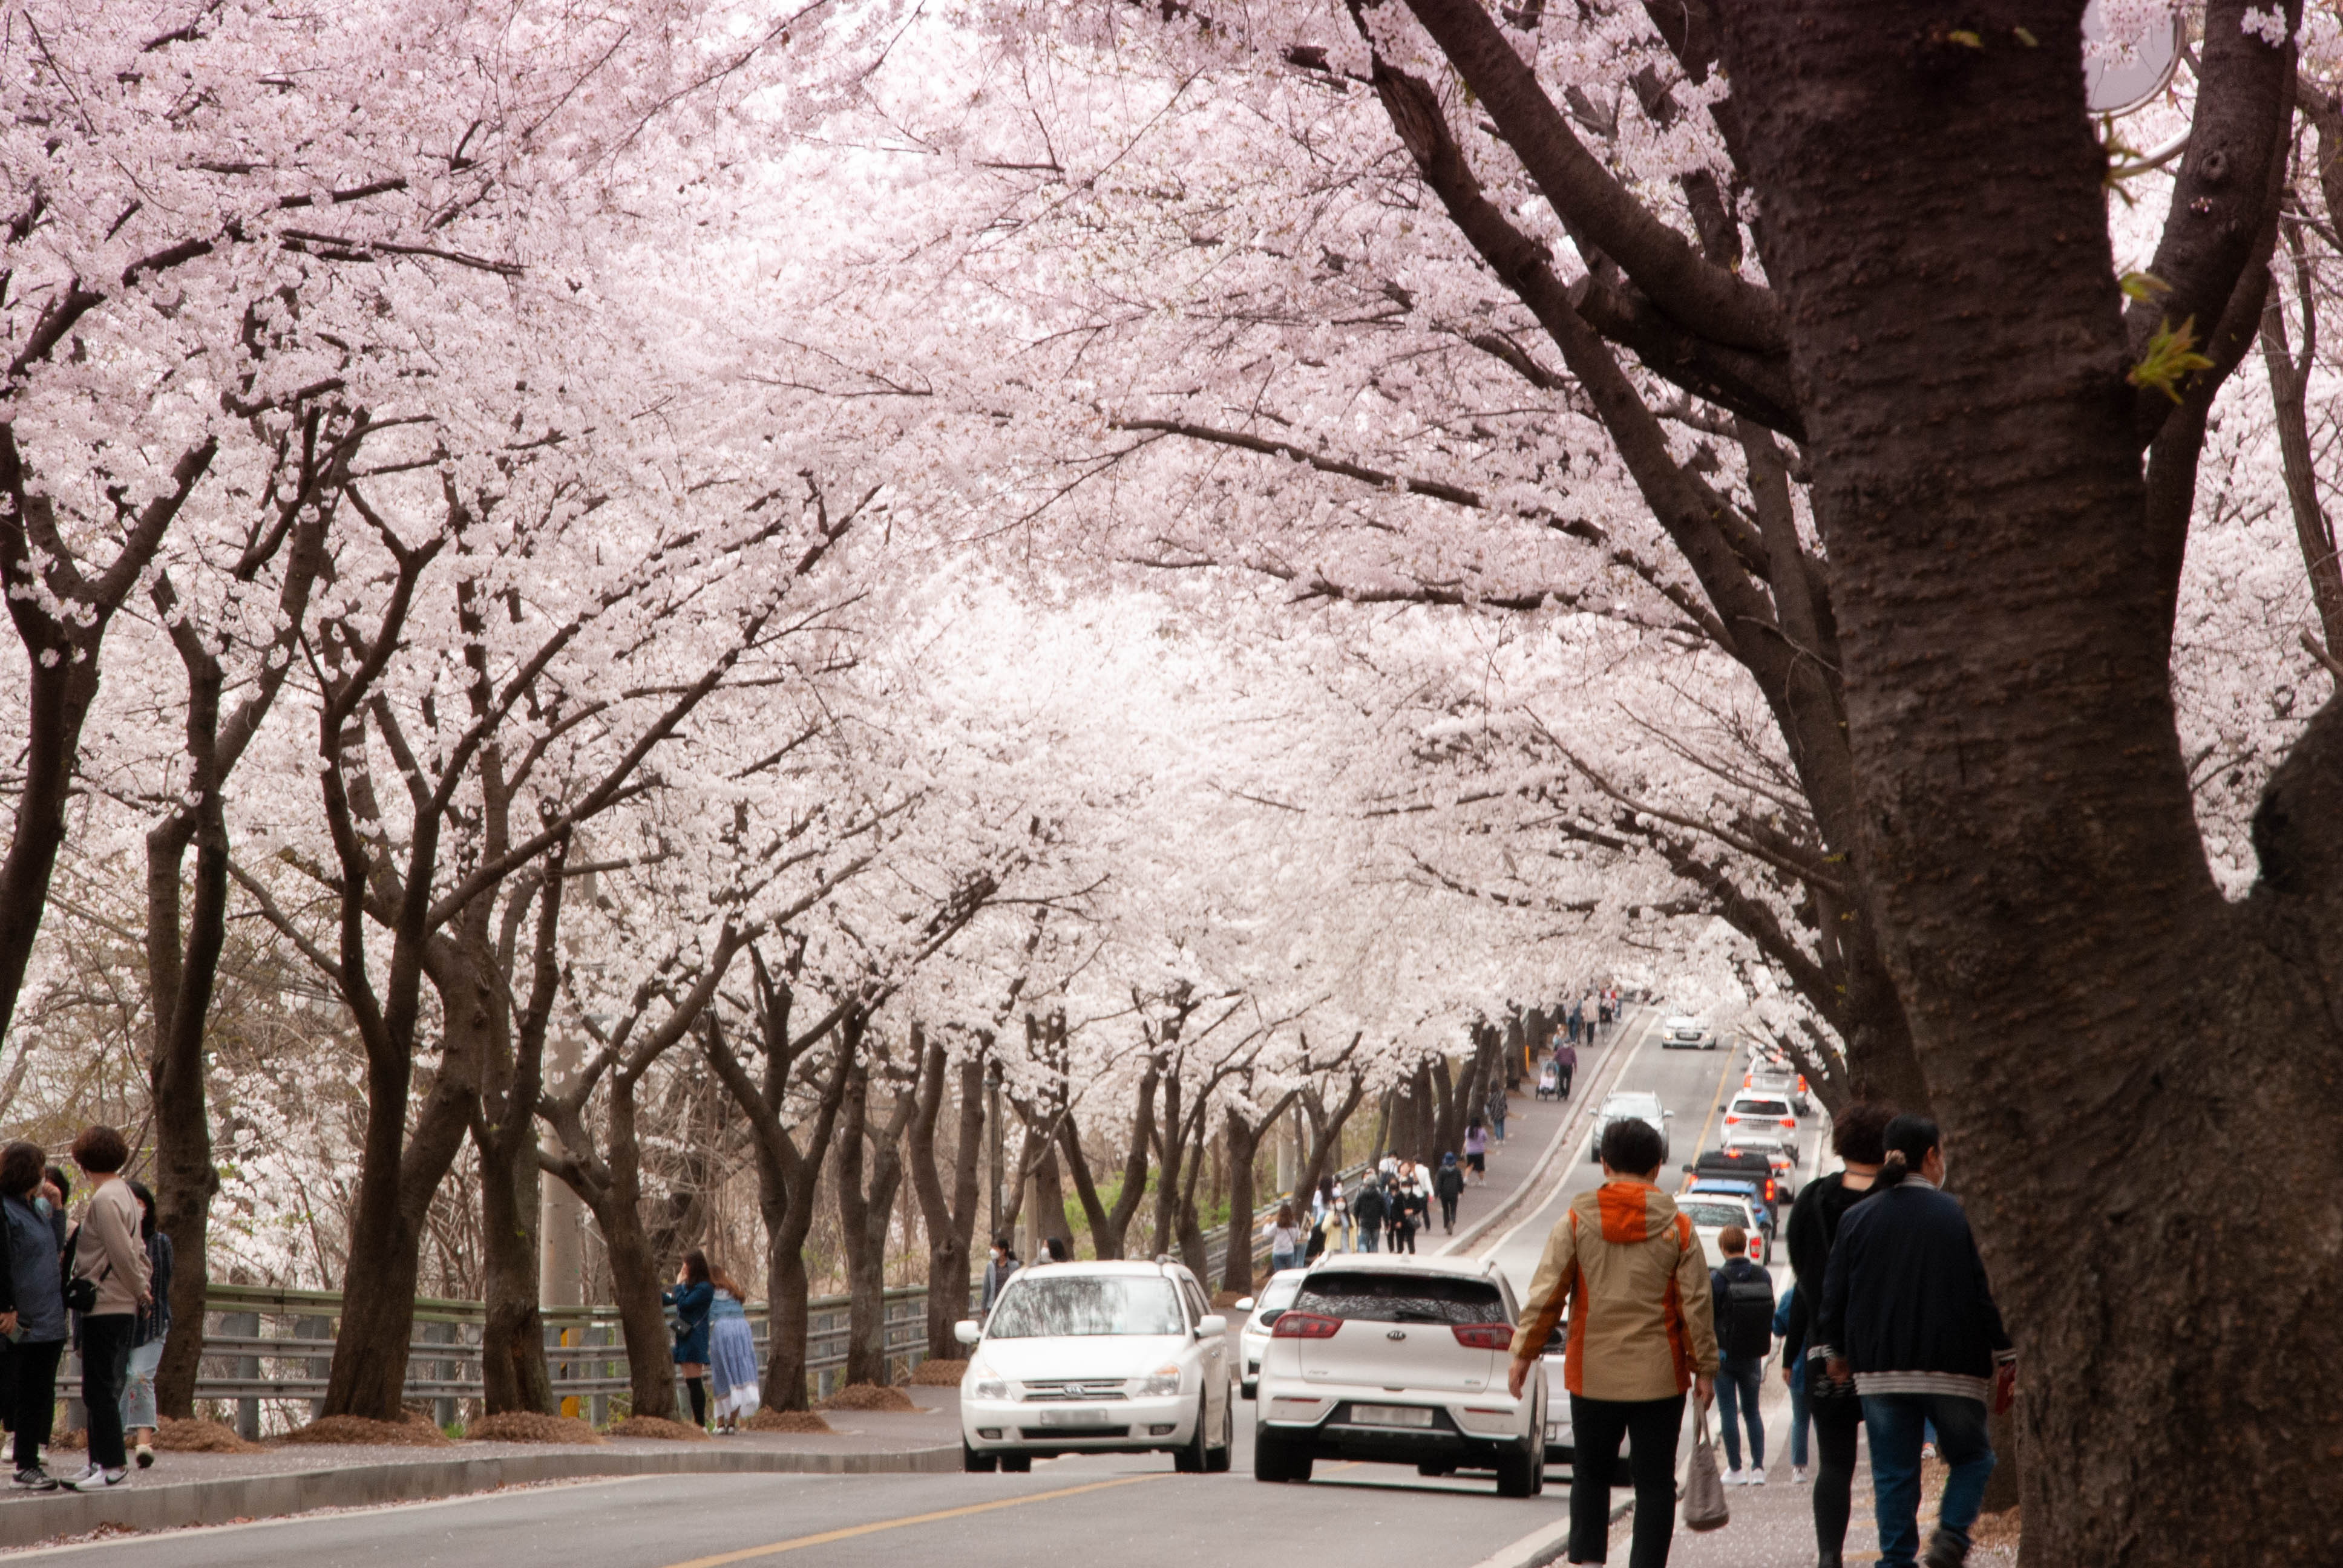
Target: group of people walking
[[1393, 1205], [1891, 1328], [101, 1285]]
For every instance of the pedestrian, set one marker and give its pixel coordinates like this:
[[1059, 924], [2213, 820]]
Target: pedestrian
[[1576, 1020], [1286, 1241], [693, 1298], [1742, 1304], [1907, 1311], [1626, 1266], [1793, 1373], [1405, 1212], [1476, 1152], [1834, 1408], [1449, 1183], [50, 1188], [1331, 1216], [1369, 1210], [146, 1339], [107, 1253], [32, 1309], [997, 1269], [1565, 1057], [1055, 1251], [1496, 1109], [731, 1351]]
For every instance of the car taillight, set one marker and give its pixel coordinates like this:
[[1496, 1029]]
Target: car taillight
[[1483, 1336], [1769, 1189], [1791, 1122], [1801, 1083], [1305, 1326]]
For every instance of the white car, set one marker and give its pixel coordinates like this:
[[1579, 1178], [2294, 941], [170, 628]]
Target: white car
[[1399, 1361], [1711, 1213], [1626, 1104], [1253, 1341], [1683, 1033], [1755, 1113], [1104, 1357], [1779, 1147]]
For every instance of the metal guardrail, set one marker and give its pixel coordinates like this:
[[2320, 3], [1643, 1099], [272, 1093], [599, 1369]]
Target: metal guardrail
[[268, 1344]]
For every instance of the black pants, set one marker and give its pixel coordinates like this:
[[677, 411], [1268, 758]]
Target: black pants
[[1447, 1212], [35, 1388], [1651, 1427], [1836, 1422], [105, 1369], [1566, 1071]]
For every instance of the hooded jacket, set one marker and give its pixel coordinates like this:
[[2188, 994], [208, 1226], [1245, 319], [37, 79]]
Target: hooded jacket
[[1626, 1267]]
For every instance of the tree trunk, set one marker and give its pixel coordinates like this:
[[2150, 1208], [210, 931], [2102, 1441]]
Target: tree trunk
[[1110, 1227], [637, 1276], [1935, 227], [864, 1211], [179, 984], [1236, 1259], [949, 1218], [514, 1374]]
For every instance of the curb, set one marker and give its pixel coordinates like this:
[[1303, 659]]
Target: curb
[[239, 1499], [1535, 1188], [1541, 1547]]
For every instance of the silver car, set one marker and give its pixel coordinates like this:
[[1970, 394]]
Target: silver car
[[1252, 1343], [1630, 1104]]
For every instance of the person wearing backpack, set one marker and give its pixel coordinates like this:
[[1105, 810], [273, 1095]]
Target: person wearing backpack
[[1741, 1301]]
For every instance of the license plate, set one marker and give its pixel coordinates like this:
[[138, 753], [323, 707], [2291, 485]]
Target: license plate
[[1390, 1416], [1071, 1417]]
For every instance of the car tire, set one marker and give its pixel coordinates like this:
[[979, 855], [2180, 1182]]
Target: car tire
[[1217, 1461], [1189, 1457], [1519, 1474], [1274, 1459], [1016, 1464], [1432, 1468], [977, 1463], [1245, 1389]]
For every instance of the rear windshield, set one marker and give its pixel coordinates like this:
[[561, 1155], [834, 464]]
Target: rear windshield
[[1762, 1107], [1401, 1298], [1045, 1308], [1714, 1213]]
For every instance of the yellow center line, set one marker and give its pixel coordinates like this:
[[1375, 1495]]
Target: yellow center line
[[1730, 1052], [848, 1533]]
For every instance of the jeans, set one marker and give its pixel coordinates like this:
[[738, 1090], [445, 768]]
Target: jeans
[[1894, 1423], [105, 1369], [1370, 1239], [1836, 1423], [1738, 1384], [35, 1364], [1278, 1261], [1651, 1427], [1798, 1421], [138, 1394]]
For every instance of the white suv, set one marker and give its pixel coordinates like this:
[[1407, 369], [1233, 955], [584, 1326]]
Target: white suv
[[1086, 1358], [1399, 1361]]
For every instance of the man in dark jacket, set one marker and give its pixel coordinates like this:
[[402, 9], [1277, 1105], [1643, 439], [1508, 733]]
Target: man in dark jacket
[[1369, 1210], [1856, 1134], [1906, 1310], [1742, 1304], [1448, 1182]]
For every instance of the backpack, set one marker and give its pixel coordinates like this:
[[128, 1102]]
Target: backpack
[[1745, 1319]]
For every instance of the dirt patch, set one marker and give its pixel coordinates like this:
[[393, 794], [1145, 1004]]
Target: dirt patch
[[1223, 1299], [529, 1426], [1999, 1530], [77, 1438], [937, 1372], [788, 1421], [870, 1396], [202, 1437], [656, 1426], [358, 1431]]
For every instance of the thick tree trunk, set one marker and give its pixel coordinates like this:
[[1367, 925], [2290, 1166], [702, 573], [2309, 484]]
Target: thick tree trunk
[[637, 1275], [864, 1212], [1236, 1259], [949, 1218], [1111, 1226], [1936, 224], [513, 1370], [179, 986]]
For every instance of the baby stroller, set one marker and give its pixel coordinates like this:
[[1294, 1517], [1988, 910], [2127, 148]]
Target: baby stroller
[[1549, 1083]]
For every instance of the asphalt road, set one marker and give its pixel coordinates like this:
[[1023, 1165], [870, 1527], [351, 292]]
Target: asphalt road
[[1131, 1511]]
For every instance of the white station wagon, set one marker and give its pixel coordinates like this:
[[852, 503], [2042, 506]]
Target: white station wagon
[[1399, 1361], [1089, 1358]]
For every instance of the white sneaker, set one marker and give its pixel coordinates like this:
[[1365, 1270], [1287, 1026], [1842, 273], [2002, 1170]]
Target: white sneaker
[[1757, 1475], [96, 1478], [1732, 1478], [1798, 1475]]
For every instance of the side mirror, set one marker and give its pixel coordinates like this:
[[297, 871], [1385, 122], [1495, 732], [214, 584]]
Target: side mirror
[[1212, 1327], [1668, 1113], [1688, 1165], [1244, 1304], [968, 1330]]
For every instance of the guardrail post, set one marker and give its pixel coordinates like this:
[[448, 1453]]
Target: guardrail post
[[443, 1409], [245, 1325], [600, 1402], [316, 1366]]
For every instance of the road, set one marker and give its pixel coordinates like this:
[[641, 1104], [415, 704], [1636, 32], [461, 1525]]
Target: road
[[1130, 1511]]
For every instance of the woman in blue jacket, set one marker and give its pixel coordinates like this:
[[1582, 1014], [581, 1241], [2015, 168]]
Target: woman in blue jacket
[[32, 1308], [693, 1295]]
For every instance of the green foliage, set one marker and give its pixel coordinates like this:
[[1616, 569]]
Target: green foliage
[[2142, 285], [2171, 358]]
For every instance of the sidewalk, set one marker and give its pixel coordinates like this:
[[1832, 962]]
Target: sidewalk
[[185, 1489]]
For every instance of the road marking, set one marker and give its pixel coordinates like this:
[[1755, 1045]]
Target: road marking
[[1579, 1150], [1731, 1052], [848, 1533]]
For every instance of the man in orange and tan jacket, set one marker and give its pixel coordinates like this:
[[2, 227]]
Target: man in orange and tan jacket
[[1631, 1272]]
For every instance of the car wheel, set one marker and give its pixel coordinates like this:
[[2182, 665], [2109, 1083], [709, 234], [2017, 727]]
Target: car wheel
[[1245, 1389], [1274, 1459], [1518, 1473], [1016, 1464], [1432, 1467], [977, 1464], [1217, 1459], [1189, 1457]]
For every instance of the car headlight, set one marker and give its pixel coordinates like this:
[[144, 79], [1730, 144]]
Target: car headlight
[[989, 1388], [1164, 1380]]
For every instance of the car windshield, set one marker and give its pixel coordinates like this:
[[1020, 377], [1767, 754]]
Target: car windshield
[[1067, 1305], [1716, 1214], [1760, 1108], [1398, 1298]]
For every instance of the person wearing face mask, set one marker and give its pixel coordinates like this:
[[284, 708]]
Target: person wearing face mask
[[1907, 1312]]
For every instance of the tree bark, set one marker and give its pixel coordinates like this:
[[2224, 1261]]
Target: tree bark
[[1110, 1227], [865, 1210], [514, 1374], [948, 1217]]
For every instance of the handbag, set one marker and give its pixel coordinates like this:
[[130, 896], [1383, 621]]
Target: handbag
[[80, 1294], [1704, 1507]]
